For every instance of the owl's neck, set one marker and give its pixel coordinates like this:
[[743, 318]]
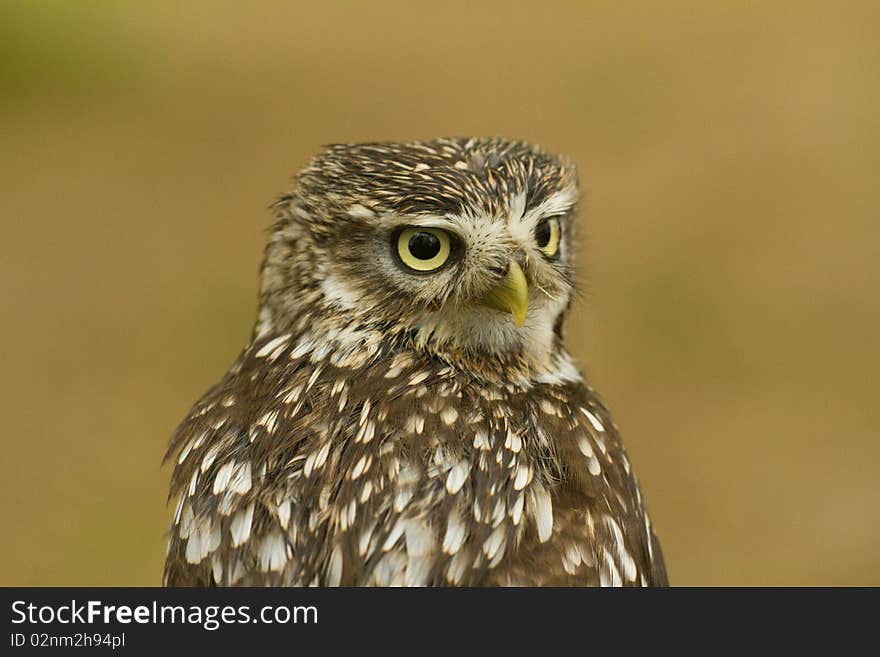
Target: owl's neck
[[489, 340], [479, 341]]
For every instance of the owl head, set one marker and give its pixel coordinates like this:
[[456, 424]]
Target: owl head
[[462, 246]]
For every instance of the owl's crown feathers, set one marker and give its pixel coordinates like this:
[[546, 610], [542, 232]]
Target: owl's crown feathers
[[460, 247]]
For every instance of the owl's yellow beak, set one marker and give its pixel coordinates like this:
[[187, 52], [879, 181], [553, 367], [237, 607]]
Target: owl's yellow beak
[[511, 295]]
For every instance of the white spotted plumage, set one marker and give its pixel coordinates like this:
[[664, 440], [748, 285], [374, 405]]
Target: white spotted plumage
[[383, 428]]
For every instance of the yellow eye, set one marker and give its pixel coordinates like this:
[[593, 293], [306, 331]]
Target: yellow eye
[[423, 249], [547, 236]]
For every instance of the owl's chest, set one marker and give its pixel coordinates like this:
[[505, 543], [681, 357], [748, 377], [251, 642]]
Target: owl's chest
[[432, 482], [400, 474]]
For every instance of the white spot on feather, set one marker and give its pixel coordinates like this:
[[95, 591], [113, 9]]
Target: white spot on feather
[[210, 532], [455, 533], [194, 549], [608, 574], [221, 479], [449, 415], [597, 424], [268, 420], [516, 510], [393, 536], [420, 539], [273, 552], [458, 567], [523, 476], [210, 456], [513, 442], [185, 452], [334, 569], [217, 569], [240, 482], [457, 476], [270, 346], [481, 440], [193, 482], [186, 519], [495, 542], [623, 555], [284, 514], [361, 466], [240, 527], [543, 511], [585, 447]]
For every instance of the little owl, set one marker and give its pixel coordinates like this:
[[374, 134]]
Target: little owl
[[406, 412]]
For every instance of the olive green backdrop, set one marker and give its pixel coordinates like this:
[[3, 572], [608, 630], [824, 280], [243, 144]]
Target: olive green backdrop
[[730, 314]]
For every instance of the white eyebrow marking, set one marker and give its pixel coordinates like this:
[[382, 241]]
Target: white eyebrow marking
[[393, 220], [431, 221], [521, 223], [557, 203]]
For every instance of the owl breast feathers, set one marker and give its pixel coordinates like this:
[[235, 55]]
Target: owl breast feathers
[[406, 412]]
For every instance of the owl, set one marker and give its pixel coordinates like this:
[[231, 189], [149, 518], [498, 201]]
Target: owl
[[406, 413]]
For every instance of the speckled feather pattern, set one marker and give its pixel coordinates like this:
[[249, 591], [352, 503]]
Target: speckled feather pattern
[[353, 443]]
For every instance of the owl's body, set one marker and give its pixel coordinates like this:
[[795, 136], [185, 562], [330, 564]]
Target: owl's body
[[406, 413]]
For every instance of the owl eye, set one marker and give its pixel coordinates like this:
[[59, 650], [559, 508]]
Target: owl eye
[[423, 249], [547, 236]]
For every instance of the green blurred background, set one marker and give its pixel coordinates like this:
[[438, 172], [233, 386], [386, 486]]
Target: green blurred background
[[731, 306]]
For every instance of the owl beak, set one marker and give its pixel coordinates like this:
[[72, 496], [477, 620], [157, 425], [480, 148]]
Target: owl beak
[[511, 295]]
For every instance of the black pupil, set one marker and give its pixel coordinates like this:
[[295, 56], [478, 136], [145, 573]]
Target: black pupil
[[542, 234], [424, 246]]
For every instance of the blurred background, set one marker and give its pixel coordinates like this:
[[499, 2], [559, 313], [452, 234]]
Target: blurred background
[[729, 153]]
